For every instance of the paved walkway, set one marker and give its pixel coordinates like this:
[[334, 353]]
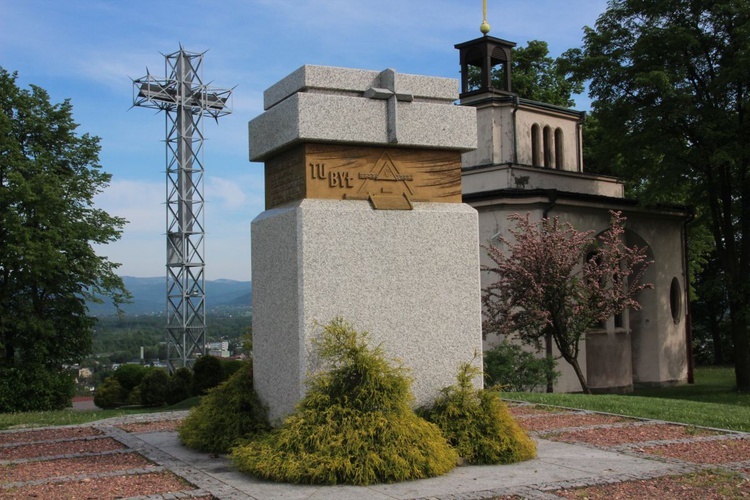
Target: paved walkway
[[557, 466]]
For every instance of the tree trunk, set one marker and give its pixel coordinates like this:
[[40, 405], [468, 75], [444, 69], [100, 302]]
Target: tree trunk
[[581, 378], [548, 354], [739, 316], [714, 321]]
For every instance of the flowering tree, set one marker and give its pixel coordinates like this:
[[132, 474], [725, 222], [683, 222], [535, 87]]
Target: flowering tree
[[555, 281]]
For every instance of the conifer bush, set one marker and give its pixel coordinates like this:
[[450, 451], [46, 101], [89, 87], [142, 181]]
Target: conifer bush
[[180, 385], [129, 376], [208, 372], [354, 426], [228, 413], [110, 394], [478, 424], [153, 388], [509, 366]]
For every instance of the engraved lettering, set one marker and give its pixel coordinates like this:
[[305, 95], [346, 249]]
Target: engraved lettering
[[339, 179], [318, 170]]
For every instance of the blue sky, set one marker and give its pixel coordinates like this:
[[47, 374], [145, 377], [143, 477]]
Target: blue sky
[[88, 51]]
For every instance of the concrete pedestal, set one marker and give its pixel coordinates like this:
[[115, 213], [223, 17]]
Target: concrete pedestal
[[410, 278]]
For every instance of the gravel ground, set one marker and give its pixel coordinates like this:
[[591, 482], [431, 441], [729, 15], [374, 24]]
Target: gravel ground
[[86, 461]]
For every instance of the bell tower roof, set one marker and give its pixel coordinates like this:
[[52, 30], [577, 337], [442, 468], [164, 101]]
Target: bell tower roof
[[485, 67]]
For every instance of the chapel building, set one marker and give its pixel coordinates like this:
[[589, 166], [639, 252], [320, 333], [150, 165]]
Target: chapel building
[[529, 159]]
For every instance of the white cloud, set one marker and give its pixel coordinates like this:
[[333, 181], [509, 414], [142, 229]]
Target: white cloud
[[229, 194], [141, 203]]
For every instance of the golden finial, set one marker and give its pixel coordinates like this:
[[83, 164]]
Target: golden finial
[[485, 26]]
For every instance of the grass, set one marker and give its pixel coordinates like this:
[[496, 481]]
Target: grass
[[73, 417], [711, 401]]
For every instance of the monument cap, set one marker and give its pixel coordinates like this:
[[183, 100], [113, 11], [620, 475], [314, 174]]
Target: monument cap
[[323, 104]]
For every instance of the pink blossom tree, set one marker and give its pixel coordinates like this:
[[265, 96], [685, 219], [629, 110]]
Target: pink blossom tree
[[555, 281]]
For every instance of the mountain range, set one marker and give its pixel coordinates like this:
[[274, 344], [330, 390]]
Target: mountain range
[[149, 297]]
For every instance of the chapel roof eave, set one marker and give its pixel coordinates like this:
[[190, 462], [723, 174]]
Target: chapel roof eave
[[484, 98], [514, 196]]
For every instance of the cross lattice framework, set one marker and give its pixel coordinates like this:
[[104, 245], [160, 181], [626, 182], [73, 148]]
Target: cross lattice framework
[[185, 99]]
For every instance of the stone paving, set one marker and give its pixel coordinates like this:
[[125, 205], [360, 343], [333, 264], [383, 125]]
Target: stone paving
[[559, 466]]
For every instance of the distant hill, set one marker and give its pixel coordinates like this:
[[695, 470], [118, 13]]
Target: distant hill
[[149, 297]]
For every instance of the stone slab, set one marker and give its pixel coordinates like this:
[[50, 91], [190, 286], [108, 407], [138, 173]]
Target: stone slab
[[348, 80], [410, 278], [314, 117], [557, 464]]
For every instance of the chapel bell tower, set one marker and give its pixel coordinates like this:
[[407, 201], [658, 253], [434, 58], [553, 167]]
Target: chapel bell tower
[[480, 58]]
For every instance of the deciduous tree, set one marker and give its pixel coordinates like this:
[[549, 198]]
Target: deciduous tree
[[539, 77], [557, 281], [671, 83], [49, 176]]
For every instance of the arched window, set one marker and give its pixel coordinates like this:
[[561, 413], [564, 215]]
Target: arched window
[[675, 300], [536, 146], [547, 144], [558, 148]]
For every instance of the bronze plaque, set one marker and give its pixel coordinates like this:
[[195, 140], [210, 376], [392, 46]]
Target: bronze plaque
[[391, 178]]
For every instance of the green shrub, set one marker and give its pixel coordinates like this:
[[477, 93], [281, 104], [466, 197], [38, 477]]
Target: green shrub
[[180, 385], [354, 426], [134, 398], [35, 388], [230, 366], [109, 394], [228, 413], [129, 376], [153, 388], [478, 424], [510, 367], [207, 373]]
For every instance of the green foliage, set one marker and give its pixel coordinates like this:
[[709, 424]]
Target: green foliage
[[208, 372], [49, 177], [154, 388], [230, 366], [180, 385], [130, 375], [478, 424], [538, 77], [227, 414], [134, 396], [669, 81], [124, 386], [120, 338], [509, 366], [354, 426], [110, 394], [30, 389]]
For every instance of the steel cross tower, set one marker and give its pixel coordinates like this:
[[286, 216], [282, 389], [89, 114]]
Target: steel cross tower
[[185, 99]]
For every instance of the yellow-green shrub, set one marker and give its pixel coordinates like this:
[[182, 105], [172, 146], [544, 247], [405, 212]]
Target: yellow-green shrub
[[354, 426], [227, 414], [478, 424]]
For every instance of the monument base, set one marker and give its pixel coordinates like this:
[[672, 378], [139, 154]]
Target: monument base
[[410, 278]]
